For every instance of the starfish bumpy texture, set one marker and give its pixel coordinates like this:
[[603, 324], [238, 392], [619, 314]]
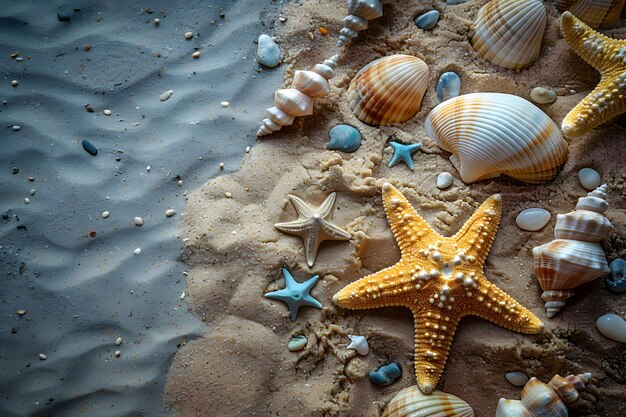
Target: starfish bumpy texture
[[403, 153], [606, 55], [296, 295], [313, 225], [441, 280]]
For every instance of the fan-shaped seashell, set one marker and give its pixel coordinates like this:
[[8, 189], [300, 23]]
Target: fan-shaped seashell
[[491, 134], [411, 402], [389, 90], [604, 14], [508, 33]]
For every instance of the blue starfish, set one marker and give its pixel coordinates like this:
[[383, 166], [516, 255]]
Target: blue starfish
[[296, 295], [403, 153]]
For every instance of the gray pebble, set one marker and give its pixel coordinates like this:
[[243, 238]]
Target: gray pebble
[[297, 343], [542, 95], [138, 221], [428, 20], [517, 378], [444, 180]]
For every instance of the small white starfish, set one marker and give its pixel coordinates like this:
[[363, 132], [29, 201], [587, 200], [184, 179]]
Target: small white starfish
[[313, 225]]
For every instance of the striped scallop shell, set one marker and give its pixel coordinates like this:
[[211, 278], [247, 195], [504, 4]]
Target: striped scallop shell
[[508, 33], [411, 402], [389, 90], [604, 14], [490, 134]]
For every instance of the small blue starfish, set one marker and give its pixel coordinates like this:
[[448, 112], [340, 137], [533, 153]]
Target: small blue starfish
[[403, 153], [296, 295]]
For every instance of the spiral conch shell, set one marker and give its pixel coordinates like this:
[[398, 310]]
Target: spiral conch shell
[[545, 400], [508, 33], [411, 402], [575, 256], [298, 100], [490, 134], [603, 14], [361, 11], [389, 90]]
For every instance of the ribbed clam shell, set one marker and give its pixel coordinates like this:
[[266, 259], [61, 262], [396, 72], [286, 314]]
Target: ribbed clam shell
[[583, 225], [603, 14], [563, 264], [411, 402], [508, 33], [388, 90], [542, 401], [491, 134]]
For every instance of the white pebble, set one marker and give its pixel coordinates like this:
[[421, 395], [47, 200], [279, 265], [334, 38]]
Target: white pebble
[[188, 35], [42, 357], [221, 165], [170, 212], [589, 178], [228, 195], [517, 378], [268, 53], [107, 112], [196, 55], [16, 128], [613, 327], [105, 214], [444, 180], [533, 219], [32, 191], [148, 168], [180, 182], [118, 341], [182, 296], [542, 95], [247, 149], [157, 21], [224, 103], [118, 353], [138, 221], [166, 95], [137, 251], [14, 83], [27, 201]]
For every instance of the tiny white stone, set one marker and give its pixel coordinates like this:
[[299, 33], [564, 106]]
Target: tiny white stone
[[221, 165], [16, 128], [138, 221], [107, 112], [180, 182], [105, 214], [542, 95], [359, 343], [444, 180], [517, 378], [224, 103], [137, 251], [182, 296], [613, 327], [533, 219], [14, 83], [32, 191], [188, 35], [157, 21], [228, 195], [170, 212], [166, 95], [118, 353], [42, 357], [196, 54], [118, 341], [589, 178], [268, 53], [27, 201], [148, 168], [247, 149]]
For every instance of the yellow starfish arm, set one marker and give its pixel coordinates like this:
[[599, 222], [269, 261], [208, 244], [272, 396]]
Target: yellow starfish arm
[[407, 226], [477, 234]]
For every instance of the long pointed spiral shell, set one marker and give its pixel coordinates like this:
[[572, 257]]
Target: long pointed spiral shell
[[360, 12], [545, 400], [298, 100], [603, 14], [411, 402], [575, 256]]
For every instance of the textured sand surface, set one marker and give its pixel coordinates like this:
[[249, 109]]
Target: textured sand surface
[[242, 366]]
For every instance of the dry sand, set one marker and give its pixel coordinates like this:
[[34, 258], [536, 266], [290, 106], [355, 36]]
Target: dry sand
[[241, 367]]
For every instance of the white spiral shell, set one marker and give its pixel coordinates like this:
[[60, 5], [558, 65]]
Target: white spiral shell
[[490, 134], [575, 256], [508, 33], [360, 12], [411, 402], [604, 14]]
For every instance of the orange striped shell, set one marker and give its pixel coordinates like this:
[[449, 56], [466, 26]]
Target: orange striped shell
[[389, 90]]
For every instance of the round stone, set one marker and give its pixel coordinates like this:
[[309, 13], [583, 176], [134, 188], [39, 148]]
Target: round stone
[[268, 53], [196, 55], [188, 35], [444, 180], [589, 178], [118, 353], [118, 341], [517, 378], [63, 16], [542, 95], [14, 83], [105, 214], [170, 212], [90, 147], [166, 95], [138, 221], [297, 343], [16, 128], [224, 104], [427, 20], [42, 357], [533, 219], [344, 138], [613, 327], [107, 112], [26, 200], [137, 251]]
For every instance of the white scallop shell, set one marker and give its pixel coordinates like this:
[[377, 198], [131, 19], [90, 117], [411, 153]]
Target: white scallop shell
[[508, 33], [389, 90], [603, 14], [411, 402], [491, 134]]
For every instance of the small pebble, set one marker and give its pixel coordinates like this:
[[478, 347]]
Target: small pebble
[[188, 35], [310, 35], [93, 233], [268, 53], [89, 108], [64, 16], [224, 103], [31, 179], [118, 353], [14, 83], [428, 20], [542, 95], [137, 251], [533, 219], [166, 95], [221, 165], [589, 178], [170, 212], [182, 296], [105, 214], [26, 201], [282, 19], [297, 343], [157, 22], [517, 378], [32, 192], [90, 147], [196, 54], [228, 195], [118, 341], [21, 311], [613, 327], [247, 149], [454, 2], [138, 221], [344, 138], [148, 168], [444, 180], [107, 112], [386, 375], [16, 128], [616, 280], [180, 182], [42, 357], [449, 86]]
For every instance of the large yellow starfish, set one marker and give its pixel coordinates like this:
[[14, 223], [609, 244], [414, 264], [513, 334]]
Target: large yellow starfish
[[441, 280], [606, 55]]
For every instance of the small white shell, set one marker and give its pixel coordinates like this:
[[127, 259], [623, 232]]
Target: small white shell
[[509, 32], [411, 402], [491, 134], [388, 90]]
